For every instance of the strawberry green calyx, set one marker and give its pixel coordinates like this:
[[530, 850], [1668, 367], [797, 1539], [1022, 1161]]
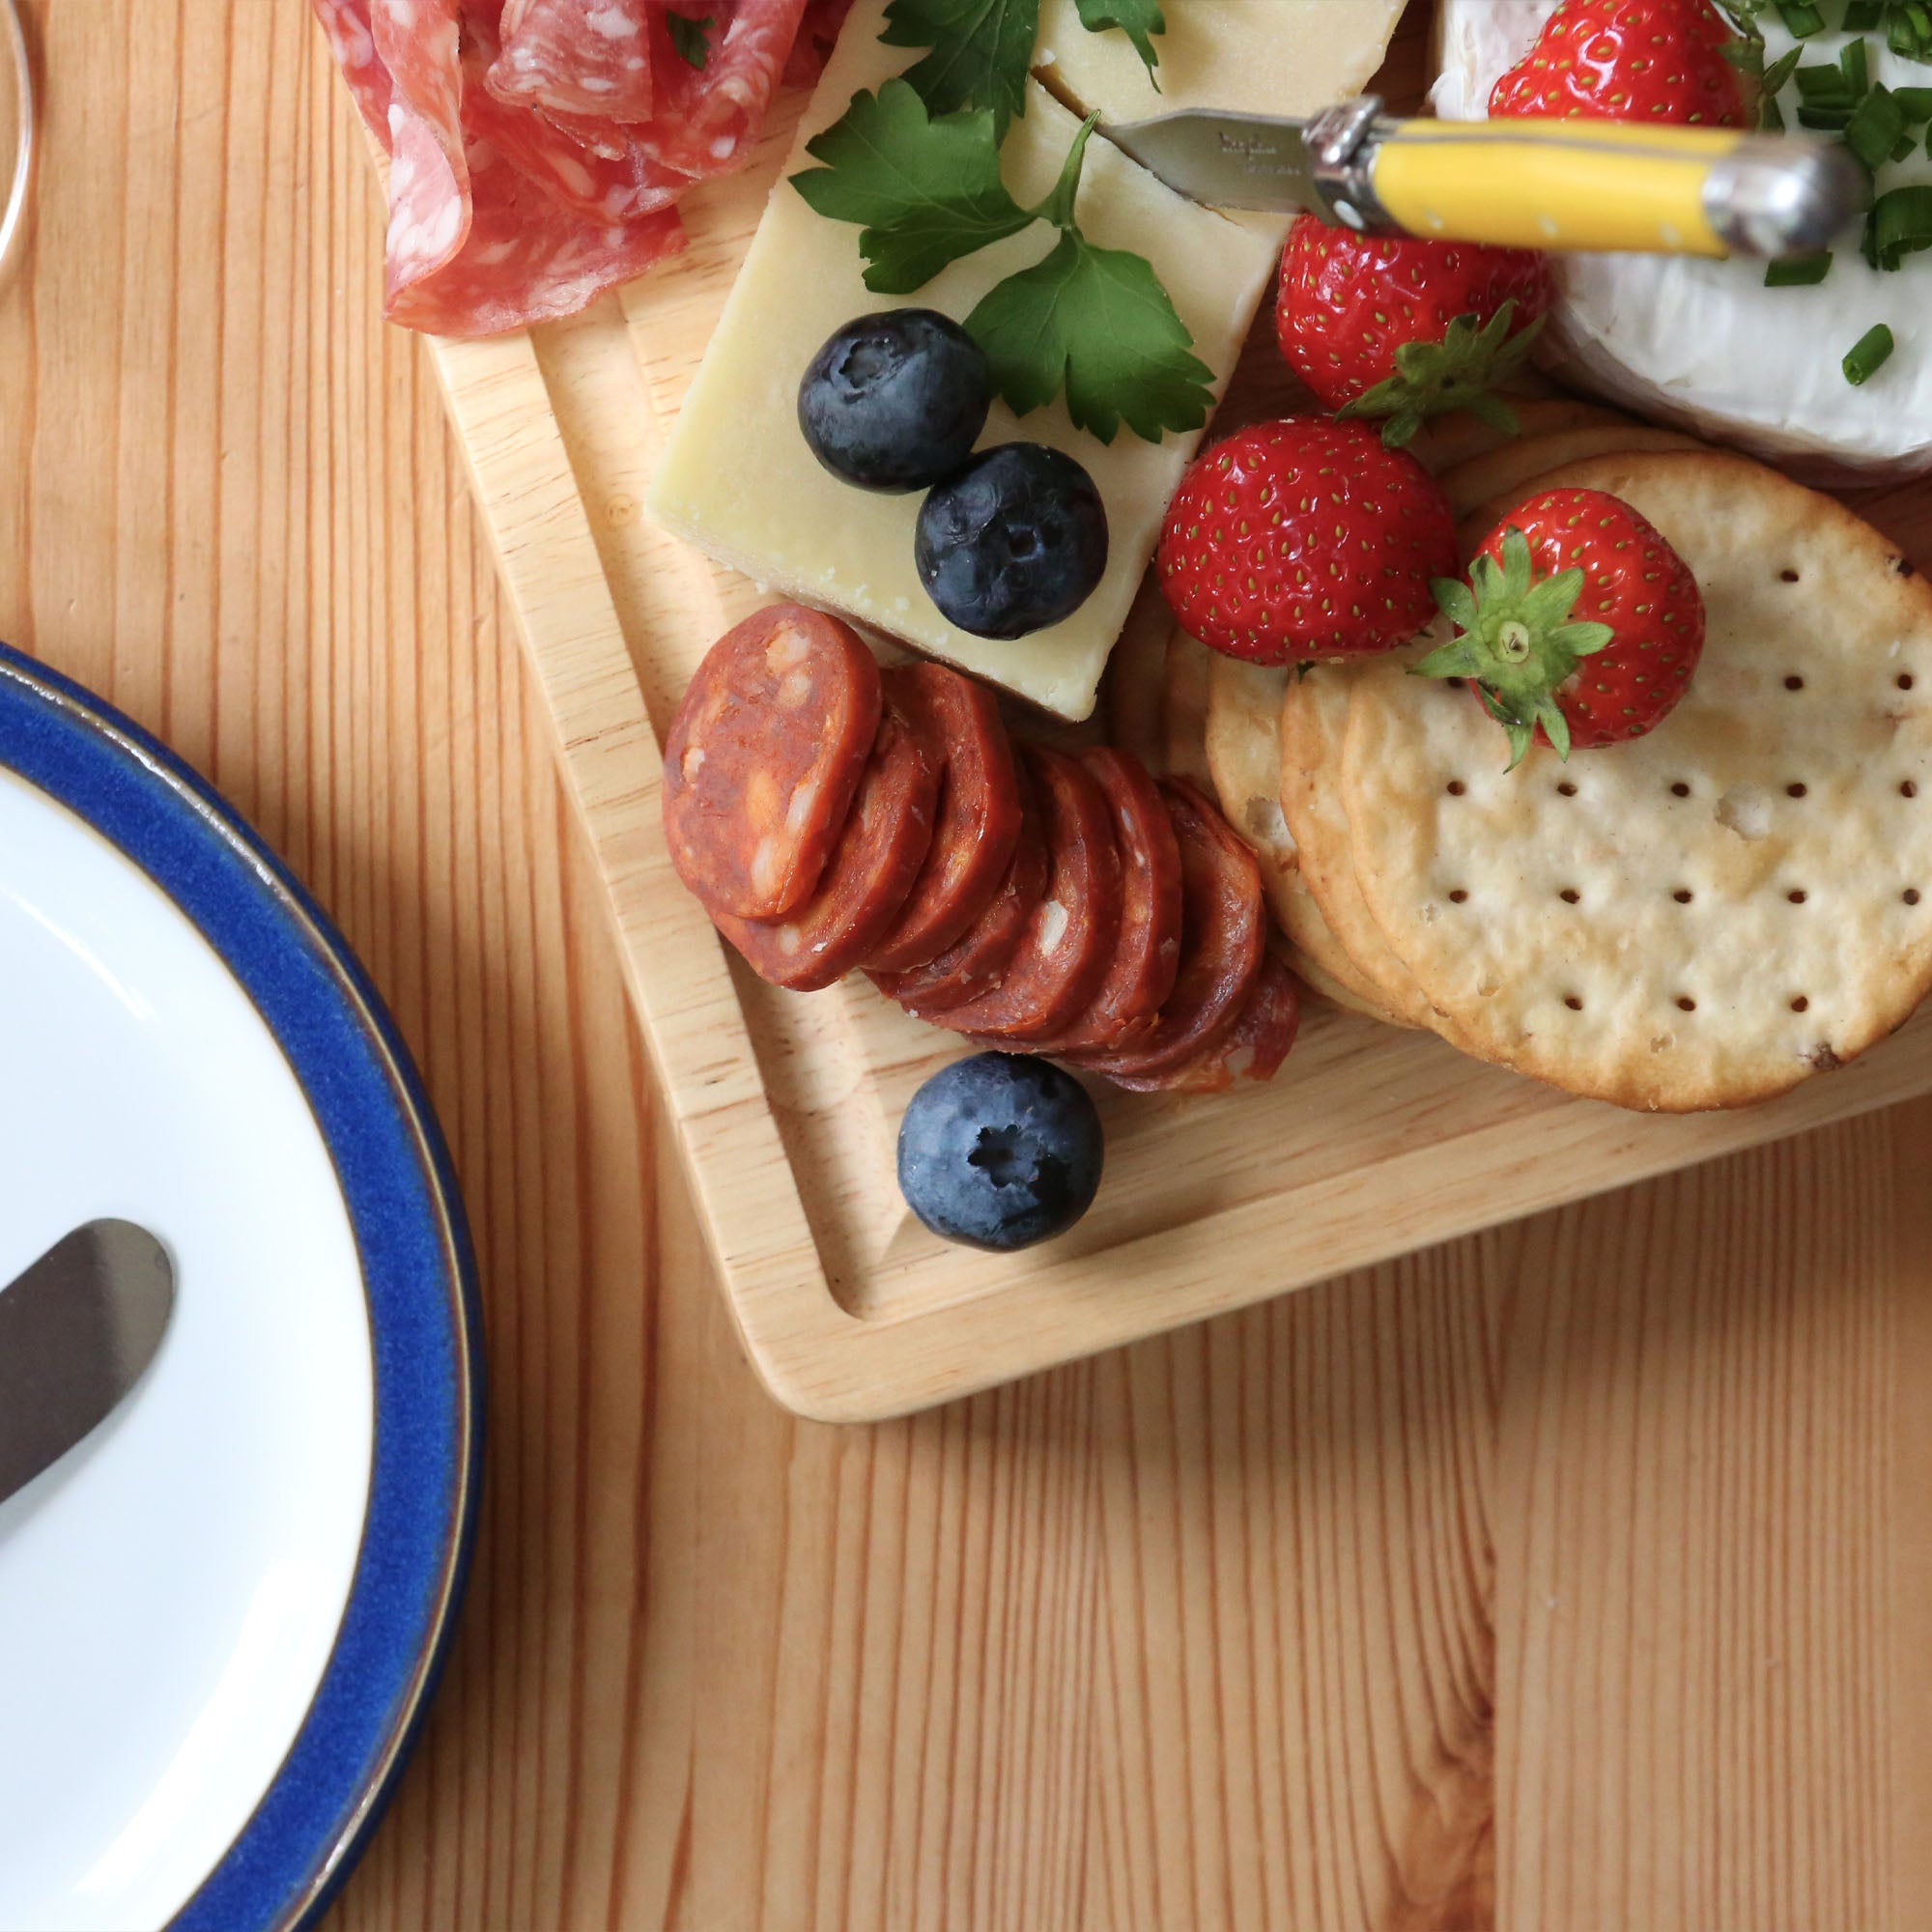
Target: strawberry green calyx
[[1460, 372], [1515, 643]]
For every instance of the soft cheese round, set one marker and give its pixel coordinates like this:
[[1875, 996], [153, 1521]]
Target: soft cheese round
[[1705, 343]]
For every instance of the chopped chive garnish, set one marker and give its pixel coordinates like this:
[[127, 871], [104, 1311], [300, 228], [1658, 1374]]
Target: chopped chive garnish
[[1856, 65], [1802, 19], [1875, 125], [1901, 223], [1826, 119], [1800, 272], [1868, 356], [1862, 16], [1909, 29], [1825, 85], [1914, 102], [1905, 146]]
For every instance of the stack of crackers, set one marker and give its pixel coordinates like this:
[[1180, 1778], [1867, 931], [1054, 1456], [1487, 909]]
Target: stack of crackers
[[1701, 918]]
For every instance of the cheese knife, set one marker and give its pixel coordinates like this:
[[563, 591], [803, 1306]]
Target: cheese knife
[[1522, 184], [77, 1331]]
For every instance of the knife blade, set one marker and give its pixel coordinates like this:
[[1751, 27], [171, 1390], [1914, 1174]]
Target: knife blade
[[77, 1329], [1528, 184]]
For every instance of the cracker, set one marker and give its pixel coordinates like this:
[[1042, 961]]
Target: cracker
[[1502, 476], [1445, 443], [1244, 759], [1706, 916], [1314, 716]]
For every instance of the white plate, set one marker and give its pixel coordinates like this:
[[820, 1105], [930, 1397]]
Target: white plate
[[172, 1593]]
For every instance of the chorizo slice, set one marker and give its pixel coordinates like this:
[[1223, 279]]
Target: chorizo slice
[[1063, 955], [978, 824], [1253, 1048], [973, 963], [1141, 973], [1223, 928], [764, 756], [877, 859]]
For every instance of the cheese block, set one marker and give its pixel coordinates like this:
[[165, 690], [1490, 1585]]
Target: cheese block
[[738, 481], [1258, 56], [1706, 344]]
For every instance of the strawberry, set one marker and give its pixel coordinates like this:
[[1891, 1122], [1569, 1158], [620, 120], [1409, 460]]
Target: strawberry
[[1628, 60], [1383, 326], [1304, 539], [1569, 575]]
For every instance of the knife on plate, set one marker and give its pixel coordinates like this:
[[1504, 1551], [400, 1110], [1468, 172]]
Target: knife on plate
[[1528, 184], [77, 1331]]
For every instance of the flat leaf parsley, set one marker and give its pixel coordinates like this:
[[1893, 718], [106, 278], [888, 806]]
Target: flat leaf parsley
[[1139, 19], [926, 191], [979, 52], [689, 38], [1093, 321]]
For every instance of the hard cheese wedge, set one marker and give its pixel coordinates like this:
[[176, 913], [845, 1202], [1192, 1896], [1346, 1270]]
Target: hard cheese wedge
[[738, 481], [1251, 56]]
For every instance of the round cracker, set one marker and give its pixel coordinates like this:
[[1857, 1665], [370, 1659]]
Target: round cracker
[[1446, 442], [1245, 759], [1314, 717], [1503, 474], [1789, 795]]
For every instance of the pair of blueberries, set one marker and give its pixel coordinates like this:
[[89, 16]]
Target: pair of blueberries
[[1008, 541]]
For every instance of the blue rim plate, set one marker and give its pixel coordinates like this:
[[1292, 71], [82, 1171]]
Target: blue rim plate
[[418, 1276]]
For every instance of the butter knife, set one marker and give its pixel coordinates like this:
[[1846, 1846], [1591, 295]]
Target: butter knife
[[77, 1331], [1567, 185]]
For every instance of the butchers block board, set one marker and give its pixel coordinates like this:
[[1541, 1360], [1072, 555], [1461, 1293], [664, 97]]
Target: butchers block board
[[1370, 1142]]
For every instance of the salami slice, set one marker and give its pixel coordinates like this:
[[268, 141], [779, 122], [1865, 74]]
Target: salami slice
[[351, 41], [429, 199], [978, 821], [878, 857], [973, 963], [817, 35], [1141, 973], [576, 57], [1222, 930], [592, 167], [703, 119], [1253, 1048], [1063, 955], [763, 758]]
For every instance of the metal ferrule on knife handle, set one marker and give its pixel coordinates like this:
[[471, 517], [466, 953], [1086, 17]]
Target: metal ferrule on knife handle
[[1589, 184]]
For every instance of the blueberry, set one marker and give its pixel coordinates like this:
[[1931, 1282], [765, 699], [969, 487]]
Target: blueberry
[[894, 402], [1014, 542], [1000, 1152]]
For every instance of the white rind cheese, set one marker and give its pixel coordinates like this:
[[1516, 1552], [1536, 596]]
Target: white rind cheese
[[1706, 344], [738, 480]]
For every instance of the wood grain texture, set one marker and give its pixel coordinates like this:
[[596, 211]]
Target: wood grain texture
[[1573, 1578]]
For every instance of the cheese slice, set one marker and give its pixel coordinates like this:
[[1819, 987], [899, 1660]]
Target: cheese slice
[[1250, 56], [738, 481]]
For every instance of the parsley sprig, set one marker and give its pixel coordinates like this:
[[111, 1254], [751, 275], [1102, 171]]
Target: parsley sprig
[[979, 52], [1092, 322]]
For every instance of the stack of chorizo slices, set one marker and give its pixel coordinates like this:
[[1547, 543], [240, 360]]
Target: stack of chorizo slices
[[832, 817]]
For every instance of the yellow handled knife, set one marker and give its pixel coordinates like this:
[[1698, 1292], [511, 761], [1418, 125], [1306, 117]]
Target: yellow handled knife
[[1596, 184]]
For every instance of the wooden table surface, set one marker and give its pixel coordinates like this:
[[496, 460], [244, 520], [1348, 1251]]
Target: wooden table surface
[[1575, 1577]]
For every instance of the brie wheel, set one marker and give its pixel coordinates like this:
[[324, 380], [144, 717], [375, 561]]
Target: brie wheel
[[1706, 344]]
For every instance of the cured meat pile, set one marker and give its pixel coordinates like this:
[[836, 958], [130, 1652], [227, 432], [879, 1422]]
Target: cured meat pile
[[832, 817], [538, 147]]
